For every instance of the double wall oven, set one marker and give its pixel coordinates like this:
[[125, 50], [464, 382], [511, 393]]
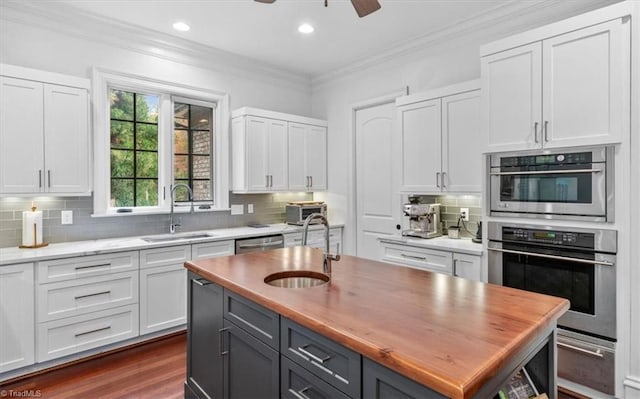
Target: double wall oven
[[574, 263]]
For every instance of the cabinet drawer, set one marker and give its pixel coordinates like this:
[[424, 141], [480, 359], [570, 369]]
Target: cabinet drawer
[[327, 359], [90, 294], [85, 266], [258, 321], [419, 258], [297, 383], [164, 256], [75, 334], [212, 249]]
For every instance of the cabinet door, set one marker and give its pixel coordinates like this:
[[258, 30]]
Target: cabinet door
[[316, 157], [17, 317], [421, 142], [462, 143], [251, 368], [257, 154], [278, 156], [512, 98], [586, 86], [466, 266], [378, 382], [66, 139], [163, 298], [21, 130], [204, 361], [298, 174]]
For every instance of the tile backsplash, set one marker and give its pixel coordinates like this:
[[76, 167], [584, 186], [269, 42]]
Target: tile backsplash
[[450, 209], [268, 208]]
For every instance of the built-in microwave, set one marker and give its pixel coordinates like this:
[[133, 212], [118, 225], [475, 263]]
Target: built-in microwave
[[572, 184]]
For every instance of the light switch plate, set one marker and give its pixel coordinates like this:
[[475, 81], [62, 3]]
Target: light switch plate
[[249, 208], [66, 217], [237, 209]]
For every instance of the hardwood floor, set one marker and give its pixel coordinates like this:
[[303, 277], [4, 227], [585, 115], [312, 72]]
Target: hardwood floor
[[155, 370]]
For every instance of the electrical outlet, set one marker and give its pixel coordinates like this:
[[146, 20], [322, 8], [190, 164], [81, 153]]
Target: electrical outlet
[[249, 208], [66, 217], [237, 209], [464, 214]]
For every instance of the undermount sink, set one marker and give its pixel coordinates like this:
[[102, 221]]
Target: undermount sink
[[296, 279], [175, 237]]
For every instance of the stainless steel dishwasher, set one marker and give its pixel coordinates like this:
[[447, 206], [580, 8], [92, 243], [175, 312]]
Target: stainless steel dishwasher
[[258, 244]]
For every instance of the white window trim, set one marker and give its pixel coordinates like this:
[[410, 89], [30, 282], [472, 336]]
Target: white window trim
[[101, 82]]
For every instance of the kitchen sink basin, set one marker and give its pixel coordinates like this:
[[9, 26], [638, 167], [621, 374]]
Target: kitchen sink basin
[[296, 279], [175, 237]]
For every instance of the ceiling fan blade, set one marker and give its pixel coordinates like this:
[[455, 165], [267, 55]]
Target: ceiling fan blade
[[365, 7], [265, 1]]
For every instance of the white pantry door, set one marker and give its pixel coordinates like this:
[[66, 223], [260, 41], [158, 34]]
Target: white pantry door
[[377, 197]]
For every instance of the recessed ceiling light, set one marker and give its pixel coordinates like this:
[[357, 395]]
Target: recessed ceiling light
[[305, 28], [181, 26]]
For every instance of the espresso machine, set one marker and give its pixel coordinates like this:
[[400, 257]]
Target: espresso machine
[[424, 220]]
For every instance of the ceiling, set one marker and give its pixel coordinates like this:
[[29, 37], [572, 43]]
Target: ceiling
[[268, 32]]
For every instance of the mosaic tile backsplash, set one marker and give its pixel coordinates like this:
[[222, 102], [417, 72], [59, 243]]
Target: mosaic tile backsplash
[[268, 208]]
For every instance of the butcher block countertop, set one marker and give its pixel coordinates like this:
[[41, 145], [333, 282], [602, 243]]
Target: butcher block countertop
[[450, 334]]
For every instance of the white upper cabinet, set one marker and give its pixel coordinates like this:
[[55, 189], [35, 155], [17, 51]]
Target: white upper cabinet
[[44, 133], [274, 152], [307, 157], [563, 90], [440, 140]]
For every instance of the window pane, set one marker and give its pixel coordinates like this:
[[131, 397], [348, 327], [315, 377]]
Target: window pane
[[121, 104], [181, 193], [121, 163], [181, 167], [202, 142], [181, 142], [201, 117], [121, 192], [147, 137], [202, 190], [181, 116], [146, 164], [146, 192], [201, 167], [121, 134], [146, 108]]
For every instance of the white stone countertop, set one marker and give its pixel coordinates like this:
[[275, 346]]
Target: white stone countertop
[[12, 255], [461, 245]]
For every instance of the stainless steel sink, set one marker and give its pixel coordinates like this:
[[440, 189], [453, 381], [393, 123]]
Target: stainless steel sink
[[176, 237], [296, 279]]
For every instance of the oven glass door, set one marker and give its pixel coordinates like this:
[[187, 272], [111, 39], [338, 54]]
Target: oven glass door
[[568, 279], [566, 187]]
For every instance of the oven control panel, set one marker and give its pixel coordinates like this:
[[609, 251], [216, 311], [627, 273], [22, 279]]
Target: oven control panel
[[549, 237]]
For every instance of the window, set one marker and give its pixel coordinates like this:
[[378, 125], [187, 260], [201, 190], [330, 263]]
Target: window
[[152, 135]]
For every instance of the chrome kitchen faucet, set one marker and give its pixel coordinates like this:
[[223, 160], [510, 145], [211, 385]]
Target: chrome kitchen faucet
[[172, 226], [328, 257]]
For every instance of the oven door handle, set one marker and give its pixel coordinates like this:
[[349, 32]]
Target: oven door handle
[[587, 261], [547, 172], [597, 353]]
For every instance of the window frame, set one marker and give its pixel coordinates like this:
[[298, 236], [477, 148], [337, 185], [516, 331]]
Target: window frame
[[104, 80]]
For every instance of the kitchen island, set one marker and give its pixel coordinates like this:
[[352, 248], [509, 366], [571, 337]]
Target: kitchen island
[[372, 329]]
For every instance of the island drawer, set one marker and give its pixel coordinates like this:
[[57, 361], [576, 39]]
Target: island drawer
[[257, 320], [297, 383], [323, 357], [85, 266]]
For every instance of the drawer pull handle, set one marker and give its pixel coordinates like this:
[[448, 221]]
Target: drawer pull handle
[[93, 331], [221, 340], [92, 266], [201, 283], [413, 257], [597, 353], [90, 295], [312, 356], [301, 393]]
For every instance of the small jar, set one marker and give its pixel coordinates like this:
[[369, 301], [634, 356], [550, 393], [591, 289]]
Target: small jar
[[453, 232]]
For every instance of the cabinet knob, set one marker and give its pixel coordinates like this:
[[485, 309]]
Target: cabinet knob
[[398, 227]]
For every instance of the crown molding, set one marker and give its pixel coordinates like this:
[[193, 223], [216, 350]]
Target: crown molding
[[514, 17], [71, 21]]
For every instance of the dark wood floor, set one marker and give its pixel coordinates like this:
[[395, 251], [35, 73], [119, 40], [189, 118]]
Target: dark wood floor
[[155, 370]]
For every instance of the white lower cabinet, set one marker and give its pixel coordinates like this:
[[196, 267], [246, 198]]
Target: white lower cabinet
[[17, 345], [213, 249], [316, 239], [467, 266], [163, 288]]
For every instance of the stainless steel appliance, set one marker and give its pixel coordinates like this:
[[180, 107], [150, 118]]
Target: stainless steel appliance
[[424, 220], [574, 263], [553, 184], [257, 244], [298, 211]]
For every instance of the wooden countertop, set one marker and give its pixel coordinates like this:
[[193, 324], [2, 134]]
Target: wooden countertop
[[444, 332]]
